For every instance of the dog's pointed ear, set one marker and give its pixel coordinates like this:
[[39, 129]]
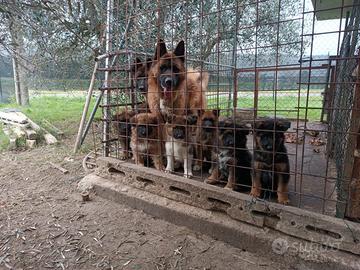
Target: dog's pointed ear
[[180, 50], [283, 125], [201, 112], [216, 112], [133, 120], [160, 49], [148, 63], [137, 64]]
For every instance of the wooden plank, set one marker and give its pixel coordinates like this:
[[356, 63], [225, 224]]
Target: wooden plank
[[13, 117], [30, 133], [50, 139], [63, 170]]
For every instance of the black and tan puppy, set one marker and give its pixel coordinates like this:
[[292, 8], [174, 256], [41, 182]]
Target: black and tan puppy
[[232, 157], [122, 127], [179, 143], [271, 162], [146, 139], [206, 137]]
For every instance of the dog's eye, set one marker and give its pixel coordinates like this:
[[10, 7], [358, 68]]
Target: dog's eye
[[163, 68], [175, 70]]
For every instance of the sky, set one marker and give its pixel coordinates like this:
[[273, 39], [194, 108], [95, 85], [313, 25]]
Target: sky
[[324, 44]]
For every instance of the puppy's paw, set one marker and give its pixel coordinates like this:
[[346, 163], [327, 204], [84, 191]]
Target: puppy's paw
[[188, 175], [283, 200], [255, 192], [229, 187], [197, 167], [211, 181]]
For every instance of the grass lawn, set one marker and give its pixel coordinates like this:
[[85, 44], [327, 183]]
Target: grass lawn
[[65, 112], [62, 112], [286, 106]]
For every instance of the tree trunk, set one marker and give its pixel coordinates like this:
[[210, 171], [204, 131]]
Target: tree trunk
[[21, 88], [16, 79]]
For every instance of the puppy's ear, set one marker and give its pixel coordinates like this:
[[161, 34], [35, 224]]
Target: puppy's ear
[[180, 50], [259, 124], [216, 112], [160, 49], [283, 125], [243, 129], [201, 112]]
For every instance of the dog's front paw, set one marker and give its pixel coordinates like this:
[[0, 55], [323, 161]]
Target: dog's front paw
[[197, 167]]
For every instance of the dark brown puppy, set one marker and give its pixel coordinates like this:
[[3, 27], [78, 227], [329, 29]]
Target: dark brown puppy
[[271, 162], [173, 89], [206, 137], [232, 156], [146, 139], [122, 127]]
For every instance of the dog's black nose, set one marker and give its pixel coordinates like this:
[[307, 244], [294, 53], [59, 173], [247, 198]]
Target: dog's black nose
[[269, 147], [168, 82]]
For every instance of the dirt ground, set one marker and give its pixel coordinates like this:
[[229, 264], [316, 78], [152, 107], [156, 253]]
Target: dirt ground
[[45, 225]]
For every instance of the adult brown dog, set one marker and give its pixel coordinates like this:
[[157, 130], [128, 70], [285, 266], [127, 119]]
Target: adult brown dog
[[146, 139], [171, 88]]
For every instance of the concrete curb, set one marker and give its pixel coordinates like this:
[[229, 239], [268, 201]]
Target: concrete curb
[[288, 250]]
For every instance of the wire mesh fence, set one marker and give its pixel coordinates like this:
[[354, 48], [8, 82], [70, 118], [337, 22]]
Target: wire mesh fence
[[253, 95]]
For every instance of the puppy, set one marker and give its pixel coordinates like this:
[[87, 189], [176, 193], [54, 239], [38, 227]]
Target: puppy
[[271, 162], [173, 89], [206, 137], [122, 127], [179, 143], [232, 156], [146, 139]]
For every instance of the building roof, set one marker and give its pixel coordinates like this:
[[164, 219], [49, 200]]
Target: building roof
[[331, 9]]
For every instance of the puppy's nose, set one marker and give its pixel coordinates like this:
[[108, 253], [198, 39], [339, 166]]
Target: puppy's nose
[[168, 82]]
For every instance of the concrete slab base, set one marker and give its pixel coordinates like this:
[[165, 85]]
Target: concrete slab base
[[288, 250]]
